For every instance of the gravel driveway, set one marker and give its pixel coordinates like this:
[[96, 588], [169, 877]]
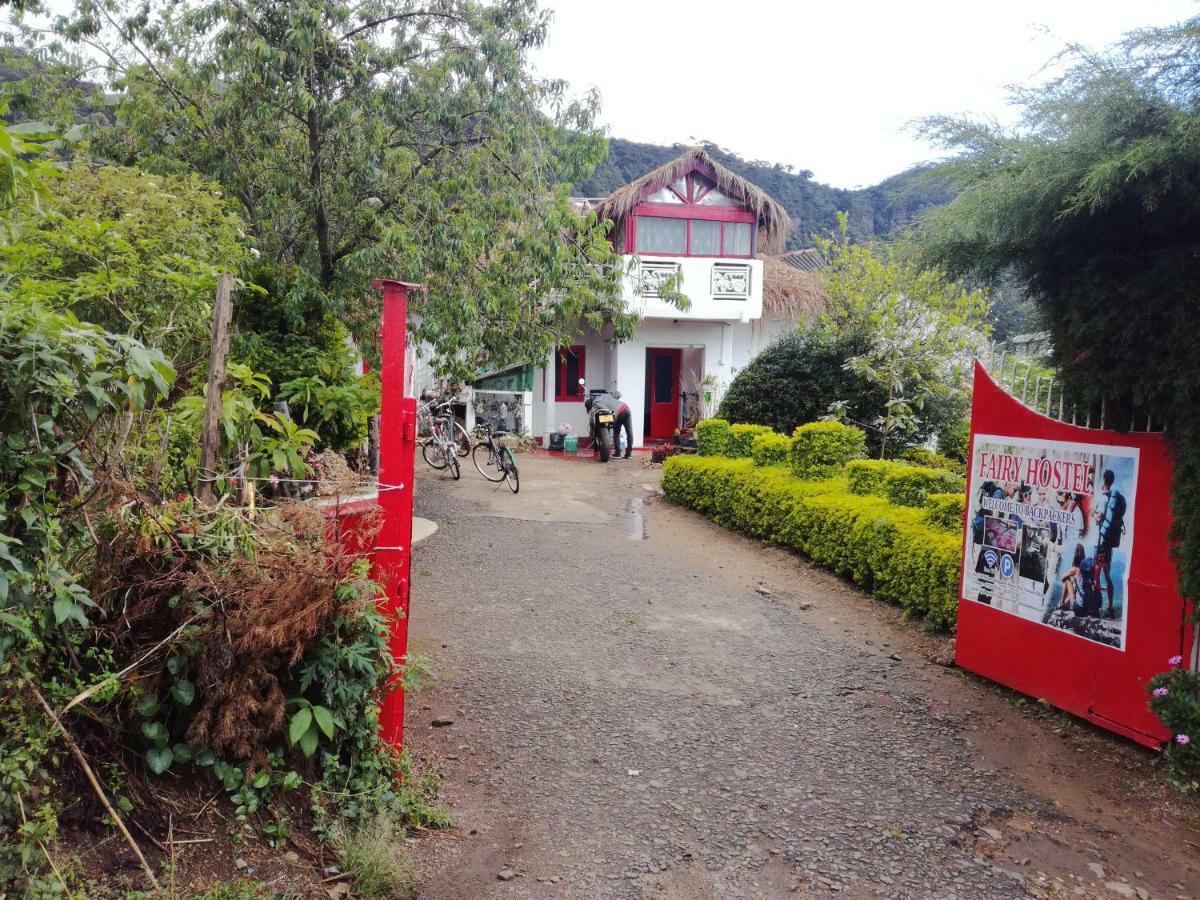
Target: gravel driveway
[[645, 705]]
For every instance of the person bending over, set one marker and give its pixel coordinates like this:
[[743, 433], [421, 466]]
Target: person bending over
[[622, 418]]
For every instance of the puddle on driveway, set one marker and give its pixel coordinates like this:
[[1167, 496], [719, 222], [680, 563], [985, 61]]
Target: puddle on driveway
[[637, 521]]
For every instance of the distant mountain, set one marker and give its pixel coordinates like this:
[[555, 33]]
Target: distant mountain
[[876, 211]]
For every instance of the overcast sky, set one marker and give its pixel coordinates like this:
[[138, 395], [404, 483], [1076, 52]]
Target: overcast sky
[[824, 86]]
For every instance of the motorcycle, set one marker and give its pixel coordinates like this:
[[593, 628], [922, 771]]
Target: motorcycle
[[600, 425]]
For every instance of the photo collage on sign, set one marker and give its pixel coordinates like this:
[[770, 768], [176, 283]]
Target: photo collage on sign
[[1050, 532]]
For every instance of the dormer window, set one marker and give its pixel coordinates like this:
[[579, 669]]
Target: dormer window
[[692, 217]]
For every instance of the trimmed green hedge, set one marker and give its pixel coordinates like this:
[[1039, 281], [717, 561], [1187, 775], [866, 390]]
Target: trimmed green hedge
[[919, 456], [822, 449], [741, 438], [770, 449], [867, 476], [946, 511], [911, 485], [886, 549], [712, 436]]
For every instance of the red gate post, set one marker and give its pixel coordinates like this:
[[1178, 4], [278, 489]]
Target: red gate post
[[397, 443]]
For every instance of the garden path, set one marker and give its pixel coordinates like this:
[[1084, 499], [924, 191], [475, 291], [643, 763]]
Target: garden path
[[646, 705]]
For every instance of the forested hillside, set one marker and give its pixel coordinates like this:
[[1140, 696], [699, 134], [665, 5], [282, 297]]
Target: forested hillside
[[874, 212]]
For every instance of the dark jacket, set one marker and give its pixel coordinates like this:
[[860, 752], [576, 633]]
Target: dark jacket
[[609, 402]]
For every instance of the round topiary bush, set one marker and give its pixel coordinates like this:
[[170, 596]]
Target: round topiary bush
[[770, 449], [822, 449], [712, 437], [741, 437]]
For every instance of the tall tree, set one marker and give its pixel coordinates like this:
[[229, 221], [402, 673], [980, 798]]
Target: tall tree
[[375, 138], [1093, 202], [915, 331]]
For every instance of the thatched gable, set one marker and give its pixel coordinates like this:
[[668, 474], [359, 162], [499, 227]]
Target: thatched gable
[[774, 223], [791, 293]]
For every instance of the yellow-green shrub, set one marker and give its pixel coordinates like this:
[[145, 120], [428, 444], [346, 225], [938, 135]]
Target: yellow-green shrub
[[867, 476], [921, 457], [945, 511], [910, 485], [712, 435], [741, 437], [885, 548], [821, 449], [770, 449]]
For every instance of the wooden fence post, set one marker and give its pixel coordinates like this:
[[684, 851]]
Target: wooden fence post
[[210, 435]]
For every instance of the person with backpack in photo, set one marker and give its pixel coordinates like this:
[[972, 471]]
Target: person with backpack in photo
[[1111, 520]]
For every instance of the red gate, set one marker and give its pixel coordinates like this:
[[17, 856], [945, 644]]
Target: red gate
[[1068, 593]]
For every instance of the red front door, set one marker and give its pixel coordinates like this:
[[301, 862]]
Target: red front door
[[662, 379]]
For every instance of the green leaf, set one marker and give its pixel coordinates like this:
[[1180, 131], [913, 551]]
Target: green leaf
[[67, 609], [154, 731], [308, 743], [300, 724], [160, 759], [324, 720], [291, 781], [147, 705], [261, 780], [184, 692], [205, 757], [182, 752]]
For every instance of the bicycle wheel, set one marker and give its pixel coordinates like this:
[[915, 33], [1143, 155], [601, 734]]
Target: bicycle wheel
[[431, 452], [462, 440], [487, 462], [510, 469], [452, 461]]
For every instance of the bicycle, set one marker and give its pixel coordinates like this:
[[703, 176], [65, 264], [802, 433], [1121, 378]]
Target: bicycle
[[495, 461], [440, 450], [426, 413]]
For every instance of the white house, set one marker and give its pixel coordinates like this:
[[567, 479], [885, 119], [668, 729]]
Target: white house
[[695, 219], [692, 218]]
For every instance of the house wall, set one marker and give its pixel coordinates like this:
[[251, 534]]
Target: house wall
[[700, 276], [751, 339]]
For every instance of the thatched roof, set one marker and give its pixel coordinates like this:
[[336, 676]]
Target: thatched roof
[[775, 223], [791, 293]]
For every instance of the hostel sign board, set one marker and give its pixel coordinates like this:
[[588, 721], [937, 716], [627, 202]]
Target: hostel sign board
[[1049, 531], [1068, 586]]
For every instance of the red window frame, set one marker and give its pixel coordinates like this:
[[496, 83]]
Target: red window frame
[[691, 210], [566, 390]]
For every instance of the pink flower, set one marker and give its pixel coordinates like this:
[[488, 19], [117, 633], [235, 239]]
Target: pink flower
[[1160, 692], [1175, 661], [1182, 740]]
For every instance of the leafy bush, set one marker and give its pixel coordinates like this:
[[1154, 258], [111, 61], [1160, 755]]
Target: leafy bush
[[712, 436], [795, 380], [1175, 699], [770, 449], [132, 252], [822, 449], [946, 511], [919, 456], [867, 476], [883, 548], [911, 485], [285, 332], [741, 437], [68, 392]]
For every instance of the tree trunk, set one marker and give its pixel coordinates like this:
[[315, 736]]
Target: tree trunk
[[210, 435]]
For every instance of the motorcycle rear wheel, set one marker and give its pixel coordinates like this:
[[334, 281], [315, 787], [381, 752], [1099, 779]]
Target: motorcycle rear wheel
[[605, 444]]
